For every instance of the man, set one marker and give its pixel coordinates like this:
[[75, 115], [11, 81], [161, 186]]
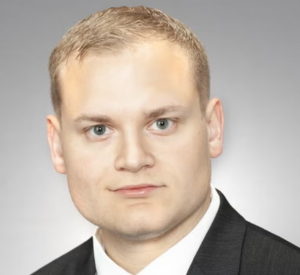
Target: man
[[134, 132]]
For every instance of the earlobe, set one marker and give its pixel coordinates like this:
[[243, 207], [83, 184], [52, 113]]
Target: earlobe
[[215, 126], [54, 141]]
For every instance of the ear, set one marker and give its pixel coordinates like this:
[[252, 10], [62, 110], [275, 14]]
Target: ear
[[215, 126], [54, 140]]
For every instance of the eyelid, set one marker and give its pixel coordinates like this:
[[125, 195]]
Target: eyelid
[[173, 120], [91, 127]]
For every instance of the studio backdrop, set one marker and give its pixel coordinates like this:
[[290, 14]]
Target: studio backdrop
[[253, 49]]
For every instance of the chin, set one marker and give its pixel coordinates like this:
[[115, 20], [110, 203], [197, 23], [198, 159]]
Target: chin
[[141, 234], [139, 230]]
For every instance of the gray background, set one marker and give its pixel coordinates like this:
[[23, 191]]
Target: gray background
[[253, 47]]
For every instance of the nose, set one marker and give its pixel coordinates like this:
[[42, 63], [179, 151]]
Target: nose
[[133, 154]]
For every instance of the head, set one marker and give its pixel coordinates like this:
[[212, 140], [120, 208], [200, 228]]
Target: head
[[130, 88], [115, 29]]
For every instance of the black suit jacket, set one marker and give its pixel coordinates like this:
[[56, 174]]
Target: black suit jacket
[[232, 246]]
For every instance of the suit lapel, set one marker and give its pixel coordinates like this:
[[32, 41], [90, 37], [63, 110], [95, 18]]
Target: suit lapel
[[84, 262], [220, 251], [89, 267]]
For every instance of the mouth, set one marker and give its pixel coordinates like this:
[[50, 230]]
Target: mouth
[[136, 191]]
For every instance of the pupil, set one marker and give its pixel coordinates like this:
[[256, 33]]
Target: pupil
[[98, 130], [162, 123]]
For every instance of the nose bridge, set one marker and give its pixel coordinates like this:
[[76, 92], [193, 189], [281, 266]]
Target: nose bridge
[[133, 152], [132, 140]]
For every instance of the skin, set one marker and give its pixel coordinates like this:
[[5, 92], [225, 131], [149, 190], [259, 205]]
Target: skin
[[133, 149]]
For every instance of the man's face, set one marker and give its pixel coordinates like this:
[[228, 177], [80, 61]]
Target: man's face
[[165, 154]]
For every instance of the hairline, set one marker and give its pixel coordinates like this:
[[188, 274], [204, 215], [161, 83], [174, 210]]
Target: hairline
[[131, 46]]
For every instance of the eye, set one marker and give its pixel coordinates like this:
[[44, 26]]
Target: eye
[[101, 130], [98, 130], [163, 123]]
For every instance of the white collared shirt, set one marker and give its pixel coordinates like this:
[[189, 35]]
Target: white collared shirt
[[170, 262]]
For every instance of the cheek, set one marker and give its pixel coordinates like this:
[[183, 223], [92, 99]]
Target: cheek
[[88, 181], [86, 161], [190, 164], [88, 174], [191, 151]]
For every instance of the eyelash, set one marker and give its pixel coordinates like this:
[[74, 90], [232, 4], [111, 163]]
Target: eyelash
[[172, 125]]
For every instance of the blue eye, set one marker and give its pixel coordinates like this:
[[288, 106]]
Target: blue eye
[[98, 130], [162, 123]]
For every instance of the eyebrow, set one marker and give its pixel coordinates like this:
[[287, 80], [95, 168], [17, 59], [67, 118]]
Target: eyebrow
[[147, 114]]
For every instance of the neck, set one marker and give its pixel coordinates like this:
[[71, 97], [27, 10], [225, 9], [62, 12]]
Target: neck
[[135, 255]]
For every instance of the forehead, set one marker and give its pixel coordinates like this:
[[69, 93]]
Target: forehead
[[146, 74]]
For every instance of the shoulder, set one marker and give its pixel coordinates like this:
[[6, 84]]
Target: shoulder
[[80, 260], [253, 249], [266, 253]]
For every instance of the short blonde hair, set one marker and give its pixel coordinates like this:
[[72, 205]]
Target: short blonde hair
[[117, 28]]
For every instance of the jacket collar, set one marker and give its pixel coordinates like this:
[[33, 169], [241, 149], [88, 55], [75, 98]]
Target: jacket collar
[[220, 252], [84, 264]]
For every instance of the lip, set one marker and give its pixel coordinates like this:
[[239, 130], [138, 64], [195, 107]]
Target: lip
[[136, 191]]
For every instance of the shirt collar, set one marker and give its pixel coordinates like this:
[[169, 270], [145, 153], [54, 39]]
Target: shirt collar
[[170, 262]]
